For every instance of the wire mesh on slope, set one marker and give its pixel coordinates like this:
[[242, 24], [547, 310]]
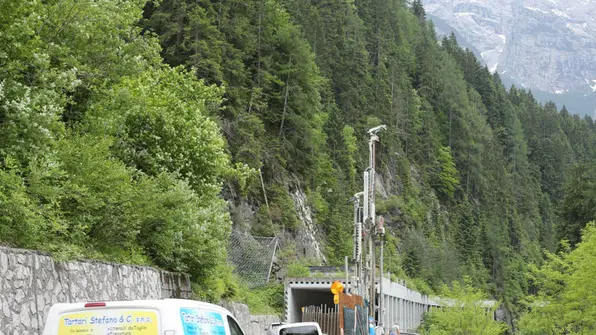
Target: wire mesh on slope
[[252, 257]]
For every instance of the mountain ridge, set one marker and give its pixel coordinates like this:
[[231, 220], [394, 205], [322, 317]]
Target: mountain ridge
[[542, 45]]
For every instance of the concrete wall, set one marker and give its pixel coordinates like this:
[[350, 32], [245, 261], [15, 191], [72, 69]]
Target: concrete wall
[[403, 305], [31, 282], [251, 324]]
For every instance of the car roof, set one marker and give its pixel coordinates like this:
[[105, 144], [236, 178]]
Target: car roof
[[299, 324]]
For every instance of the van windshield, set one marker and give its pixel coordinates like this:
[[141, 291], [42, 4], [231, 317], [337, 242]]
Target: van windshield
[[299, 330]]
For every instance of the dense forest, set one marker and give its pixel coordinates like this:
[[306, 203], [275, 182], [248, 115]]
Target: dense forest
[[129, 127]]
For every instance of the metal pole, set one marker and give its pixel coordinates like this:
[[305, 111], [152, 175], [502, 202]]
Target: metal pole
[[372, 219], [381, 232], [371, 215], [358, 284], [371, 205], [265, 195], [372, 270], [272, 257], [356, 233], [347, 275], [365, 219], [381, 298]]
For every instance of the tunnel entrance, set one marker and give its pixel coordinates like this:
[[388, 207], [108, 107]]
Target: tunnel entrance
[[306, 297], [306, 292], [400, 304]]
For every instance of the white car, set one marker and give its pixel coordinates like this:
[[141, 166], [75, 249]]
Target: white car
[[298, 328], [141, 317]]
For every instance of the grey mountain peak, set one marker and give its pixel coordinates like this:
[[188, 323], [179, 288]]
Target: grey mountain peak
[[544, 45]]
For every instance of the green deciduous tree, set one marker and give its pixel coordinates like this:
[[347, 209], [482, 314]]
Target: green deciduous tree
[[566, 284], [161, 120], [465, 311], [105, 152], [446, 178]]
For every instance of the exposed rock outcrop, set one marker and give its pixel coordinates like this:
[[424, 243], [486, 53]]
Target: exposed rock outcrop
[[543, 45]]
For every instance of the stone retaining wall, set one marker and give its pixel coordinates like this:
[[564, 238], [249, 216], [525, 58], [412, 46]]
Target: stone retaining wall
[[251, 324], [31, 282]]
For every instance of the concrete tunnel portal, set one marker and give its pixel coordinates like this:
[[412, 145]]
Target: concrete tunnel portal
[[306, 292], [400, 304]]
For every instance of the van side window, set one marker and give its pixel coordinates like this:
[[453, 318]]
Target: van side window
[[234, 328]]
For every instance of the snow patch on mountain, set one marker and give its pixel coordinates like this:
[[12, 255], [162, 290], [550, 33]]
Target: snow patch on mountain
[[493, 56], [559, 13], [578, 29], [547, 45], [534, 9]]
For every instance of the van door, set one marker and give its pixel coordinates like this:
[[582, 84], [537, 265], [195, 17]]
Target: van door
[[196, 321]]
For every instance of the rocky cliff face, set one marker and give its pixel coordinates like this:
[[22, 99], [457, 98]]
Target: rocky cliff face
[[544, 45], [307, 237]]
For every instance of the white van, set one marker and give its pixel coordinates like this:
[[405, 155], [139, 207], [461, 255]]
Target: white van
[[141, 317]]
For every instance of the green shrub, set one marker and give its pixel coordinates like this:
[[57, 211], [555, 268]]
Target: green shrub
[[298, 269], [464, 312], [268, 300]]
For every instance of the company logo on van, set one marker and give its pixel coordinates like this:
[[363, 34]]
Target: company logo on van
[[112, 321], [199, 322]]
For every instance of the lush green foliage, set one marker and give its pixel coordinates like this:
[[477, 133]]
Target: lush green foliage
[[268, 300], [579, 202], [467, 313], [122, 122], [298, 270], [565, 301], [106, 152]]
